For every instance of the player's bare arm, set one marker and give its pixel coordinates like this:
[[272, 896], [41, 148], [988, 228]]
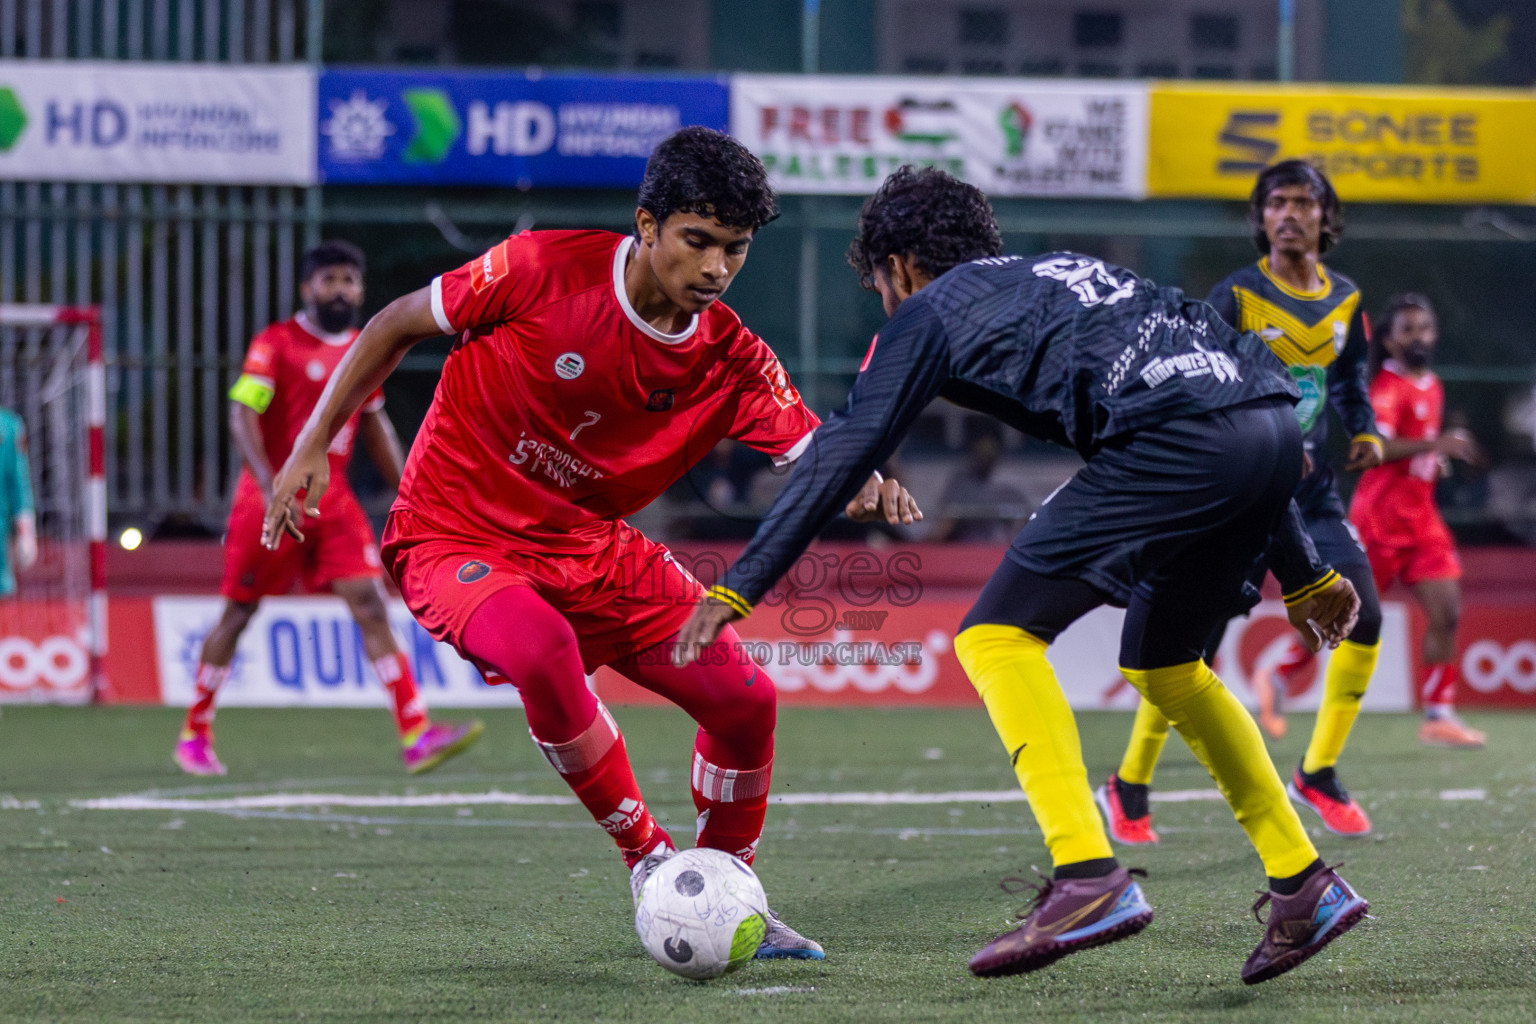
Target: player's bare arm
[[377, 351], [383, 446], [245, 428], [1453, 444]]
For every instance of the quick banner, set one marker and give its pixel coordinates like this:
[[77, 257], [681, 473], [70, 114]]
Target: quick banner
[[135, 122], [503, 128], [308, 652], [1376, 144], [1021, 137]]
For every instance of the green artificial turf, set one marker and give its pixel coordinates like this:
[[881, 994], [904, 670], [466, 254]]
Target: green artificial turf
[[511, 913]]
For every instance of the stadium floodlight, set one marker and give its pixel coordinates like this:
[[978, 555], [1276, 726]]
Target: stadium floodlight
[[53, 630]]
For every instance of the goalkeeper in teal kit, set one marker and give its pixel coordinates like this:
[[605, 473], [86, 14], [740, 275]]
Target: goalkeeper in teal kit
[[19, 549]]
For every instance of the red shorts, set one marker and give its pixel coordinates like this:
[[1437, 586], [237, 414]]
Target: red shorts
[[1426, 552], [620, 597], [337, 546]]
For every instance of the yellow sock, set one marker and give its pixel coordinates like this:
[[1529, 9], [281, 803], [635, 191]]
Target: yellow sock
[[1008, 668], [1349, 673], [1145, 746], [1225, 739]]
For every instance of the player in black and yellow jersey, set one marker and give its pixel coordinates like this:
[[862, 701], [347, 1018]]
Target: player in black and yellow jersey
[[1192, 455], [1312, 319]]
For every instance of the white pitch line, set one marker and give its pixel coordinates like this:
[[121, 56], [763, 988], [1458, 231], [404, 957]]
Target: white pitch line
[[276, 801], [279, 800], [288, 801]]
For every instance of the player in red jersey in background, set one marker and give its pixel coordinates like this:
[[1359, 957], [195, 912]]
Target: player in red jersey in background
[[1394, 506], [592, 369], [285, 370]]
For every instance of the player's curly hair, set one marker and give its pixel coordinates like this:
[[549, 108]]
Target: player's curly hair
[[334, 253], [1376, 354], [1296, 172], [699, 170], [940, 221]]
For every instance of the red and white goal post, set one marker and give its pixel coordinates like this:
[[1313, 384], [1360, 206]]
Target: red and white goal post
[[53, 629]]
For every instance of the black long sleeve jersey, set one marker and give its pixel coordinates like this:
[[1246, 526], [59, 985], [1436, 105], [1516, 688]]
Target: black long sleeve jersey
[[1064, 347]]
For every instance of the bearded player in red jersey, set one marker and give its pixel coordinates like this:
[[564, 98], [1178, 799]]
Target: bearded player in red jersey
[[1394, 506], [591, 371], [285, 370]]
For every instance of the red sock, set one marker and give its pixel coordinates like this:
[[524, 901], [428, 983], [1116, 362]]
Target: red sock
[[1439, 688], [1296, 658], [596, 767], [732, 803], [200, 714], [410, 713]]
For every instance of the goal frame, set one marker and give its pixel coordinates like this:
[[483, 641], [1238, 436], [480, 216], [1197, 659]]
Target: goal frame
[[88, 320]]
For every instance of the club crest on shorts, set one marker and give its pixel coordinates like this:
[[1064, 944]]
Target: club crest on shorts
[[472, 571], [569, 366]]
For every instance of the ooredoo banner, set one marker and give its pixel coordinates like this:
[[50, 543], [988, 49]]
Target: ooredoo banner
[[1011, 137], [137, 122], [890, 656], [503, 128], [1378, 144], [1498, 657], [44, 652]]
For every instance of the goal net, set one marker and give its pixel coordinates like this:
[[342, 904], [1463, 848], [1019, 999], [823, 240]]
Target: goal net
[[53, 623]]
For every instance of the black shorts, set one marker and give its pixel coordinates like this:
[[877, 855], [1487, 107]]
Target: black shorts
[[1167, 523]]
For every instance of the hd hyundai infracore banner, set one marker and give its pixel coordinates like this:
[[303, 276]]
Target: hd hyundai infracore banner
[[131, 121], [519, 129]]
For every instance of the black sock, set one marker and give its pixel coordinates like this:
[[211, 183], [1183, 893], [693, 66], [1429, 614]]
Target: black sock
[[1097, 868], [1134, 798], [1291, 886]]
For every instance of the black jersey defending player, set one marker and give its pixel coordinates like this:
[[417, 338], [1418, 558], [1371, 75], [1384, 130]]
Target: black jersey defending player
[[1192, 452]]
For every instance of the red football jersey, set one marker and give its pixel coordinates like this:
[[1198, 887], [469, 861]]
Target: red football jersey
[[1411, 410], [285, 370], [560, 410]]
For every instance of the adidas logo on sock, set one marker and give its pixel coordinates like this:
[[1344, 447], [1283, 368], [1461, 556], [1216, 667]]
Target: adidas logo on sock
[[624, 817]]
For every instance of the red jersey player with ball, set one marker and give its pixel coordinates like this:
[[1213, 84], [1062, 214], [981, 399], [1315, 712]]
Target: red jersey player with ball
[[1394, 506], [592, 369], [285, 371]]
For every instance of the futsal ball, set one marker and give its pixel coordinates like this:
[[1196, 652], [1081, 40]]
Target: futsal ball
[[702, 913]]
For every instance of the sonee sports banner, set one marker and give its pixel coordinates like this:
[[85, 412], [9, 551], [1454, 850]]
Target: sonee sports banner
[[1377, 144]]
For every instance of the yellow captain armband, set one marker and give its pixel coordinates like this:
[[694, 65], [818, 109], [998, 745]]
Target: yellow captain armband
[[1371, 439], [730, 597], [253, 392], [1310, 590]]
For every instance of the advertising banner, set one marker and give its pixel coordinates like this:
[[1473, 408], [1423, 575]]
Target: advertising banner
[[1498, 657], [1377, 144], [890, 656], [119, 121], [503, 128], [44, 652], [307, 651], [1020, 137]]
